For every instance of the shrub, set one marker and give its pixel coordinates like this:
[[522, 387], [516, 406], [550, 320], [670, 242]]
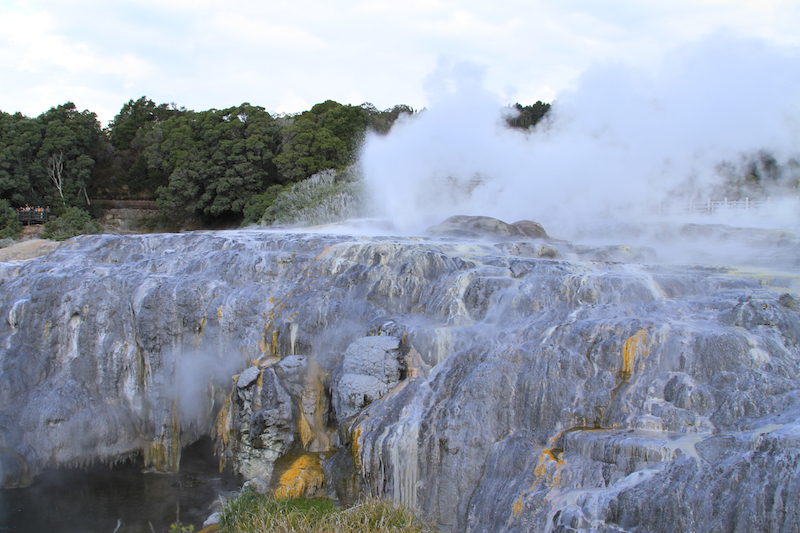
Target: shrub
[[259, 204], [325, 197], [10, 226], [72, 222]]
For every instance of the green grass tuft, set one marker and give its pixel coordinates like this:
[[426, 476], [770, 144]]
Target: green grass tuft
[[251, 512]]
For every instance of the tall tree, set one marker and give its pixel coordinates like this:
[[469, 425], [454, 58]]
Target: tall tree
[[127, 172], [62, 143], [78, 140], [528, 116], [20, 138], [215, 160], [55, 168], [325, 137]]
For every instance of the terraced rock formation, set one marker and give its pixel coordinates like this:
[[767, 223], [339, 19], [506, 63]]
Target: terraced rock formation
[[511, 384]]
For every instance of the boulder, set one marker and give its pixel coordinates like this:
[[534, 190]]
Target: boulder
[[461, 226], [371, 367]]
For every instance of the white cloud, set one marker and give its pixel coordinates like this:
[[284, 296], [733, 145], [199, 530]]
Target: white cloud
[[292, 103], [472, 25], [244, 30], [204, 54], [31, 43]]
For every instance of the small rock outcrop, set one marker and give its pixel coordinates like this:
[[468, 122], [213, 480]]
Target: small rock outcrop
[[461, 226], [276, 406], [529, 239], [371, 367]]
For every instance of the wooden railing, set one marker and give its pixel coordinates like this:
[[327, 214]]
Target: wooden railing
[[712, 206], [39, 215], [33, 216]]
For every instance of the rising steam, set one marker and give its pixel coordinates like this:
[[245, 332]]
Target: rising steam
[[623, 141], [193, 378]]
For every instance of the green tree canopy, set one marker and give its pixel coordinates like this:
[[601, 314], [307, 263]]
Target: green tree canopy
[[208, 164], [215, 160], [527, 116], [327, 136], [136, 115], [126, 173], [10, 226], [30, 149], [20, 139], [382, 121]]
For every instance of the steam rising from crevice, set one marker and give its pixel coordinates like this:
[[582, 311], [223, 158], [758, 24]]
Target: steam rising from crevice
[[624, 141], [194, 377]]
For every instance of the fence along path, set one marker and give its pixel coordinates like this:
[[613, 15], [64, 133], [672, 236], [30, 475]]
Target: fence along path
[[33, 216], [711, 206]]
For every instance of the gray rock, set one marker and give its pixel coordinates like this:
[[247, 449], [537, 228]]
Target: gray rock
[[478, 226], [534, 230], [371, 367], [247, 377], [257, 485], [787, 300], [500, 390], [213, 518]]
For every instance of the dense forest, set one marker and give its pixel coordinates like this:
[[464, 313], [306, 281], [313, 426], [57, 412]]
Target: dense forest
[[225, 167], [221, 166]]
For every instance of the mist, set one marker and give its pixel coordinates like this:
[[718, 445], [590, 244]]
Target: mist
[[193, 377], [624, 141]]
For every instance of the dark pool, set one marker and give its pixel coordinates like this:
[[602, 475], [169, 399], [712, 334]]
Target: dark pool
[[102, 499]]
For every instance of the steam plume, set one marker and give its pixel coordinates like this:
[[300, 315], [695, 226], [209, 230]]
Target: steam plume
[[623, 140]]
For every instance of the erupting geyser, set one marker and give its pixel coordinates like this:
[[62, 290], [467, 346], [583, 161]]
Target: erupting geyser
[[622, 142]]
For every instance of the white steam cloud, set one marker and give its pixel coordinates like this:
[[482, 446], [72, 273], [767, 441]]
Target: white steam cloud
[[195, 377], [622, 141]]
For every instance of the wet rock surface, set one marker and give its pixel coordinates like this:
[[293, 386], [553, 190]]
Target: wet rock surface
[[478, 226], [490, 385], [371, 367]]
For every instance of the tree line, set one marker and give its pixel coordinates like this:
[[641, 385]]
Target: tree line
[[214, 166]]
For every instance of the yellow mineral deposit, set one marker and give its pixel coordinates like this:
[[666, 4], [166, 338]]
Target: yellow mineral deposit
[[164, 456], [270, 347], [307, 435], [413, 364], [312, 408], [354, 436], [629, 353], [303, 477], [222, 430], [547, 472], [222, 425]]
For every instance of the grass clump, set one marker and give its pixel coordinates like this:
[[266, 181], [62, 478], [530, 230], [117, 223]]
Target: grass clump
[[251, 512]]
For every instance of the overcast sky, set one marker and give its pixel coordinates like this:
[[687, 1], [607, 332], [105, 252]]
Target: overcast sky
[[287, 55]]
